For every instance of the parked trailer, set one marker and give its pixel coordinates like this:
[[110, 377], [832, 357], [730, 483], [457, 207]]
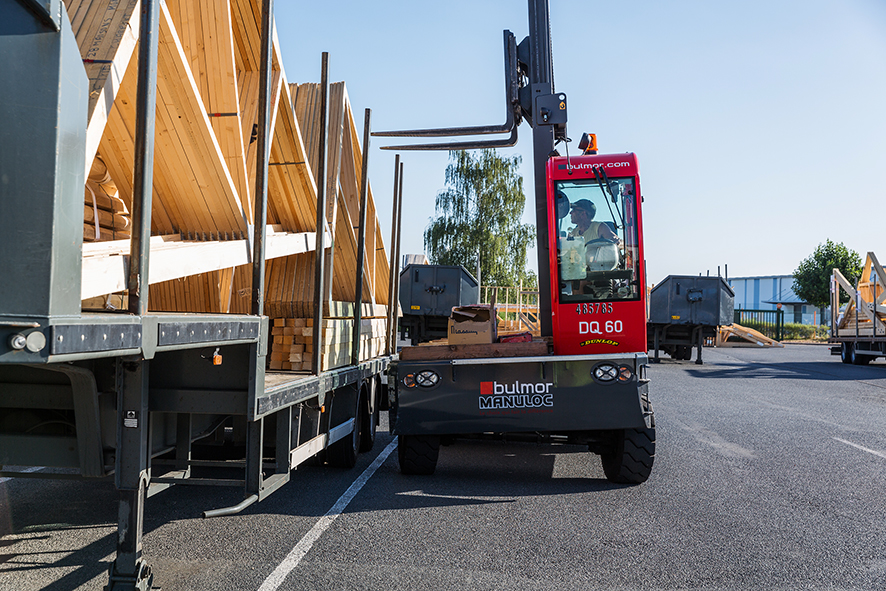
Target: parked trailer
[[684, 310], [428, 293], [140, 395], [858, 332]]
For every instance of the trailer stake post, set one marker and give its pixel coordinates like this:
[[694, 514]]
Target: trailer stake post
[[316, 360], [361, 241]]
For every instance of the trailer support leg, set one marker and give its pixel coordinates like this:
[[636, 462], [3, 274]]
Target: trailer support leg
[[700, 342], [129, 571], [657, 343]]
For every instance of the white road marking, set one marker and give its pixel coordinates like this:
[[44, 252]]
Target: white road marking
[[879, 454], [31, 469], [304, 545]]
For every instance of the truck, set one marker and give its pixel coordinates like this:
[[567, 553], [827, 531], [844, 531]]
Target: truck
[[858, 330], [146, 281], [584, 380]]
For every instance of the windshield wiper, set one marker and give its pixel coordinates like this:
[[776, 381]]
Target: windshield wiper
[[602, 180]]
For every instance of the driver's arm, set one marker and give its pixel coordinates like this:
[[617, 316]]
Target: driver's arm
[[604, 231]]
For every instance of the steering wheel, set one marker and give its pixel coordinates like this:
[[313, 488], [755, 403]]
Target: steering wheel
[[602, 241]]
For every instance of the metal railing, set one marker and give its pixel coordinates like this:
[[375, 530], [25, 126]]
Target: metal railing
[[517, 308], [768, 322]]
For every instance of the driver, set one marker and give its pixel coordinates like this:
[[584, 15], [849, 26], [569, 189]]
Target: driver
[[582, 215]]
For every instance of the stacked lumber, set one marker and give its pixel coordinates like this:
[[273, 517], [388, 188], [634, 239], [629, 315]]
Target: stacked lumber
[[105, 215], [865, 314], [748, 337], [293, 344], [205, 166]]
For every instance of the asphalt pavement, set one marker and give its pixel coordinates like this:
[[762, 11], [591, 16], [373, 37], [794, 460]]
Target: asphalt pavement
[[770, 473]]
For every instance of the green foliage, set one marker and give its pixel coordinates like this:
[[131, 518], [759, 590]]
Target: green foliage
[[812, 278], [479, 212], [804, 332]]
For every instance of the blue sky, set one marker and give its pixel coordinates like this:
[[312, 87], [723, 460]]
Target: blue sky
[[760, 126]]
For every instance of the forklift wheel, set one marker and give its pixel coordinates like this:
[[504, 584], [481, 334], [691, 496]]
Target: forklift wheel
[[629, 459], [418, 453]]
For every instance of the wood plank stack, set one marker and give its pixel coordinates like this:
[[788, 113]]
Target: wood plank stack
[[293, 342], [205, 165], [105, 215], [865, 314]]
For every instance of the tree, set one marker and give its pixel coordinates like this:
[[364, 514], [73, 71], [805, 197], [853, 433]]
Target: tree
[[478, 213], [812, 278]]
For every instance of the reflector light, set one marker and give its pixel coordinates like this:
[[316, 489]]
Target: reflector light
[[625, 373], [427, 378], [605, 372]]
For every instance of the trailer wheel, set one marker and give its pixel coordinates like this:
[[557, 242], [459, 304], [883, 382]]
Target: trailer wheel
[[418, 453], [846, 352], [343, 453], [630, 457], [859, 359]]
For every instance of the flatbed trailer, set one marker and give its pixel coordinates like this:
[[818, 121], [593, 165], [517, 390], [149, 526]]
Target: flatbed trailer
[[858, 331], [142, 396]]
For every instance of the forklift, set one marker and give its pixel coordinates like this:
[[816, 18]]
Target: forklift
[[584, 380]]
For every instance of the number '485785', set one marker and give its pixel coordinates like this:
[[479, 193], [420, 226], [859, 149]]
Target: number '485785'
[[594, 308]]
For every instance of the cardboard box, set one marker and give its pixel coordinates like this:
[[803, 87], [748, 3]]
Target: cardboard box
[[472, 325]]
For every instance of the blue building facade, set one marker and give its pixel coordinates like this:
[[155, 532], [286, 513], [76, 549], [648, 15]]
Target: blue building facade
[[766, 292]]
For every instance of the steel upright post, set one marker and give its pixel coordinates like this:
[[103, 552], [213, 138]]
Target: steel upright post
[[143, 166], [396, 248], [394, 297], [361, 241], [260, 217], [316, 360]]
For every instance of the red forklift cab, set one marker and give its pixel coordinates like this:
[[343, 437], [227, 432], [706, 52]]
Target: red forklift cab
[[598, 287]]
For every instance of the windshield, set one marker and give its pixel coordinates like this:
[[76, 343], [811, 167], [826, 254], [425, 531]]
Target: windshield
[[597, 245]]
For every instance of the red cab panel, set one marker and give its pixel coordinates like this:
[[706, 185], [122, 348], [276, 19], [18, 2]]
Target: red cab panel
[[595, 233]]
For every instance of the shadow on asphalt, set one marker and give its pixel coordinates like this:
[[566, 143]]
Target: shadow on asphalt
[[789, 370], [469, 473]]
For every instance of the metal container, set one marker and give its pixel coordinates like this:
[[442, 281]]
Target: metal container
[[433, 290], [686, 299]]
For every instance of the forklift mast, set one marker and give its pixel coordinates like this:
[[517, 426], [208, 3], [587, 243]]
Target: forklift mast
[[530, 95]]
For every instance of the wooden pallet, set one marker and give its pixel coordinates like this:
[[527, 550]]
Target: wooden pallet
[[749, 337]]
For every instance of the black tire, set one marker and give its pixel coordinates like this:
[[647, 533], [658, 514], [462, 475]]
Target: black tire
[[418, 453], [631, 454], [685, 352], [368, 426], [859, 359], [846, 352], [343, 453]]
